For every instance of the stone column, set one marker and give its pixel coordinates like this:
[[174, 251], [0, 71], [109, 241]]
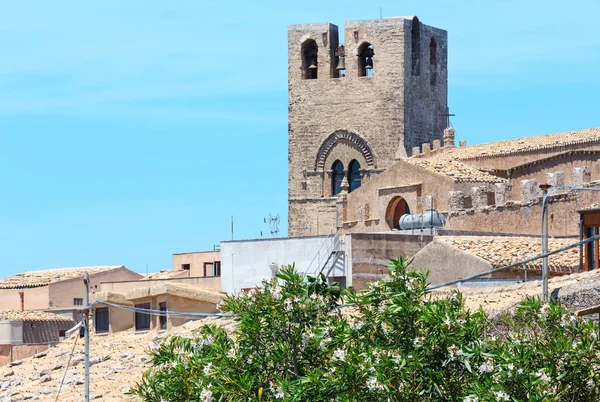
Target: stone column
[[479, 198], [456, 201], [426, 148], [556, 179], [416, 151], [581, 176], [449, 140], [436, 144], [502, 193], [529, 190]]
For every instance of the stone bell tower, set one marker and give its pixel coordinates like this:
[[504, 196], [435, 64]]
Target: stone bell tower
[[354, 109]]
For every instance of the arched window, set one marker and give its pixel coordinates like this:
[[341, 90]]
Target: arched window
[[432, 61], [365, 60], [338, 177], [354, 178], [309, 60], [396, 208], [416, 46]]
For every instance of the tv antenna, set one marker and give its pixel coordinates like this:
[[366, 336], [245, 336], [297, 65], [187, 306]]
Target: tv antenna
[[273, 222]]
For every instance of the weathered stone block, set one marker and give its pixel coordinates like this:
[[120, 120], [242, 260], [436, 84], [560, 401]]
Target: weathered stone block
[[456, 201], [555, 179], [502, 193], [581, 176], [529, 190], [416, 151], [437, 144], [479, 198], [462, 143], [426, 148], [449, 140]]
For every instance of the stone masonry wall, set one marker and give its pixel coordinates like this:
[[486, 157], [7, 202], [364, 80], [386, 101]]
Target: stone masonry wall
[[382, 116]]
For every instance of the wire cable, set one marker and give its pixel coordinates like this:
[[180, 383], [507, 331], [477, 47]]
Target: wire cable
[[528, 260], [67, 368], [160, 312]]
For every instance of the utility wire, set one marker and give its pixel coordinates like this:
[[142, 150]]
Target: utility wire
[[560, 250], [159, 312], [67, 368]]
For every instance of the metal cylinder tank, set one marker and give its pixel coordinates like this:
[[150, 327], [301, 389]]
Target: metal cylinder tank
[[427, 220]]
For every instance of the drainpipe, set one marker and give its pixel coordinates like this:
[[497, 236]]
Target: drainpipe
[[545, 188], [581, 244]]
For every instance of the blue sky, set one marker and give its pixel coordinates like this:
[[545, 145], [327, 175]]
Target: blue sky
[[133, 130]]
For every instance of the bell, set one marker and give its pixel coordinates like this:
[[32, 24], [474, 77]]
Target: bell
[[369, 64], [341, 63], [313, 64]]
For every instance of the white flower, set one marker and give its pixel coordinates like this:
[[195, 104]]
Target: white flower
[[206, 395], [418, 340], [471, 398], [501, 396], [453, 352], [590, 384], [486, 367], [544, 310], [339, 354], [374, 385], [510, 366], [279, 394], [276, 293], [288, 305], [542, 376], [520, 371], [207, 369], [355, 323]]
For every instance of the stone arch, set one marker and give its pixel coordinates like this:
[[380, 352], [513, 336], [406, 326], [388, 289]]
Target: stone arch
[[395, 209], [344, 135]]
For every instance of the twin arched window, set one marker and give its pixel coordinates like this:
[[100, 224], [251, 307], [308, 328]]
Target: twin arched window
[[365, 60], [354, 177]]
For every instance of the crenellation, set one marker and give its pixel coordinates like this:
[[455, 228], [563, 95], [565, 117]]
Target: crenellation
[[529, 190], [581, 176]]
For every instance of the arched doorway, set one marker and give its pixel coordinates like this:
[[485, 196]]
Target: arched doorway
[[396, 208]]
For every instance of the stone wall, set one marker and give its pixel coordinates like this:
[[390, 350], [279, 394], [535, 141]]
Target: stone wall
[[369, 254], [373, 118]]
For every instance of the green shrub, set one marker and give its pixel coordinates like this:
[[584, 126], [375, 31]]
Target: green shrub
[[394, 343]]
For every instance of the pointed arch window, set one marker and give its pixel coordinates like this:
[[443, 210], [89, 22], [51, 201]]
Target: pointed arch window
[[310, 62], [433, 61], [354, 178], [338, 177], [416, 46], [365, 60]]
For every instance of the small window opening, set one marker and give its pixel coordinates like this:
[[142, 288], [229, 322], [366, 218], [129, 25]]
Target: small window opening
[[365, 60], [142, 320], [78, 301], [309, 60], [101, 320], [354, 178], [338, 177], [340, 60], [185, 267], [416, 46], [163, 316], [432, 61]]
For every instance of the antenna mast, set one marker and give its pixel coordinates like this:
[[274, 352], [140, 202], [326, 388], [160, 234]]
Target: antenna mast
[[273, 222]]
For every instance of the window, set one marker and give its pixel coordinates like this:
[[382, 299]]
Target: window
[[185, 267], [416, 46], [211, 269], [354, 178], [78, 301], [340, 62], [432, 61], [365, 60], [163, 316], [310, 61], [101, 320], [142, 320], [338, 177]]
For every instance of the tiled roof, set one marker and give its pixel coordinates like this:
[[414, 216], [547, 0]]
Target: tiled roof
[[177, 289], [519, 145], [503, 251], [35, 279], [15, 315], [167, 274], [457, 171]]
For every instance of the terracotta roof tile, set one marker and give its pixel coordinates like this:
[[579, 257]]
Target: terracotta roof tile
[[14, 315], [539, 142], [457, 171], [503, 251], [167, 274], [34, 279]]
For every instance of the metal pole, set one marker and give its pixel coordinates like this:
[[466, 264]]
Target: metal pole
[[231, 227], [86, 303], [545, 188]]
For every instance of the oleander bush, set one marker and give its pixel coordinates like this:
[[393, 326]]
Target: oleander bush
[[393, 342]]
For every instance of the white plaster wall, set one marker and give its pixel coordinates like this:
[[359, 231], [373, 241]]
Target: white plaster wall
[[244, 264], [11, 332]]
